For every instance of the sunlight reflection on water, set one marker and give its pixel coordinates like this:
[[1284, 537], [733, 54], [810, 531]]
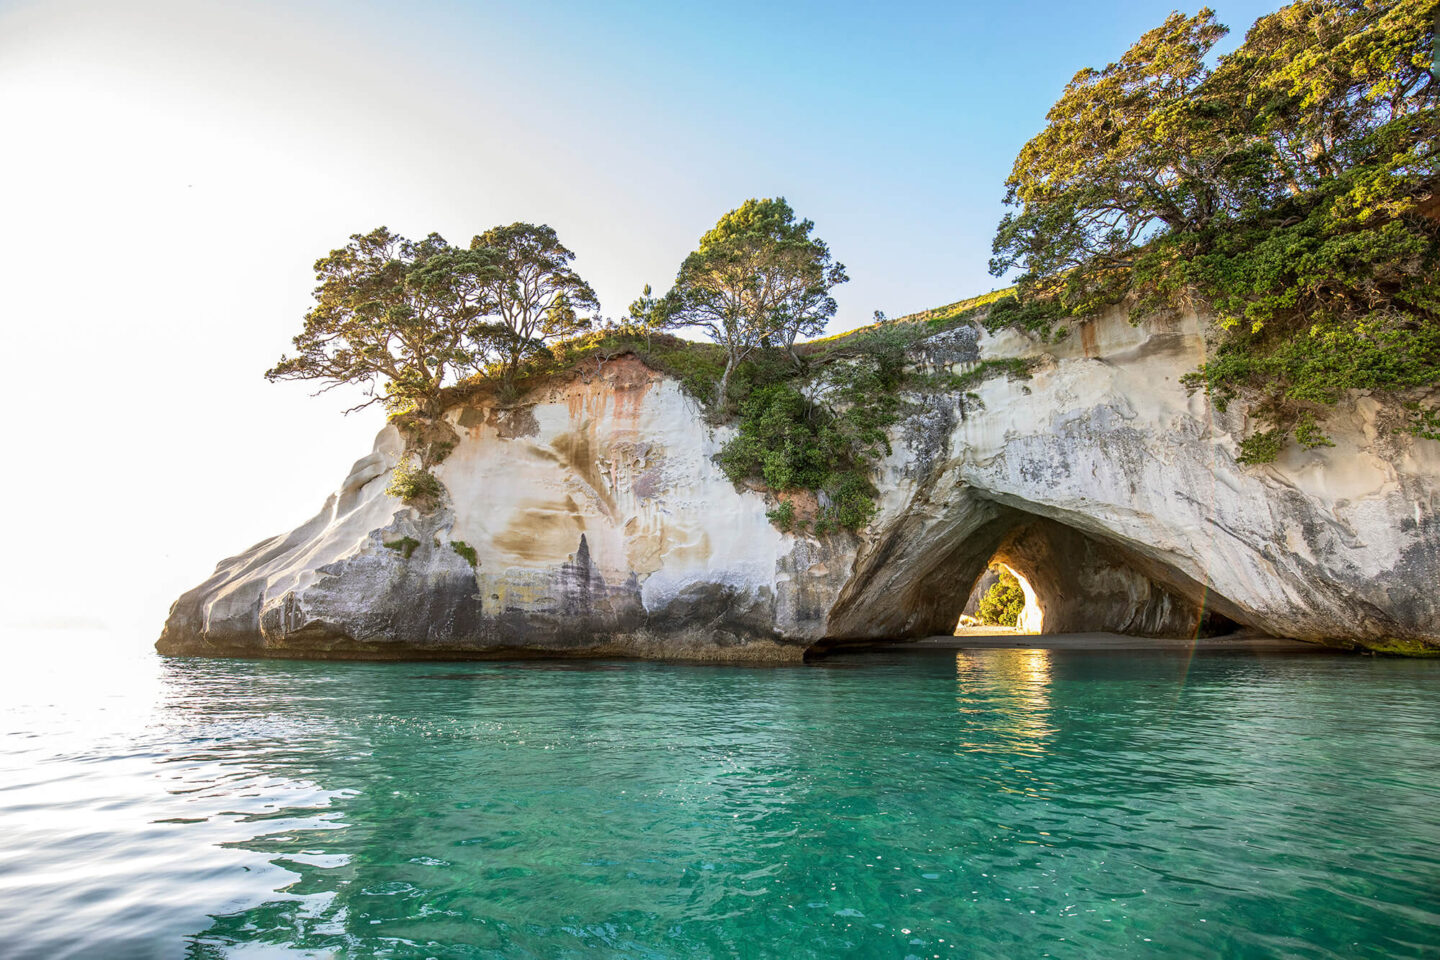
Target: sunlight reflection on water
[[1005, 696]]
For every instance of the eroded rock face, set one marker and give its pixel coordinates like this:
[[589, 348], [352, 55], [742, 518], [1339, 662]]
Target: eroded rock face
[[1334, 544], [599, 524]]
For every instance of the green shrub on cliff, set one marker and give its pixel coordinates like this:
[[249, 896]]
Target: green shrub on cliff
[[1291, 188], [405, 546], [785, 440], [783, 516], [466, 552], [823, 434], [1015, 368], [414, 484]]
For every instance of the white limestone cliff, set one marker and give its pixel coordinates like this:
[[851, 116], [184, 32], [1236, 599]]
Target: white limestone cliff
[[600, 524]]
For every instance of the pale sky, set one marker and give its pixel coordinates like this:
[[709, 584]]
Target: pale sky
[[171, 170]]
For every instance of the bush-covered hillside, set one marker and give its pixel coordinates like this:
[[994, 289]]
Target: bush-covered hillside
[[1289, 186]]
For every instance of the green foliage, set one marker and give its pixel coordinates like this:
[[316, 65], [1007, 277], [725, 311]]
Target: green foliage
[[1261, 447], [1285, 188], [864, 397], [414, 484], [650, 315], [852, 501], [412, 317], [1033, 315], [1127, 149], [791, 442], [1003, 603], [1308, 433], [405, 546], [395, 313], [785, 440], [783, 516], [1016, 368], [466, 551], [536, 297], [758, 279], [1422, 422]]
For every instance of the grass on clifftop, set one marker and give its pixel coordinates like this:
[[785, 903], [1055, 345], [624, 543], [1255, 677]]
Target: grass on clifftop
[[911, 327], [696, 365]]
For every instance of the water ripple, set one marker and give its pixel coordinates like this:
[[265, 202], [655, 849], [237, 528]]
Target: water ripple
[[986, 803]]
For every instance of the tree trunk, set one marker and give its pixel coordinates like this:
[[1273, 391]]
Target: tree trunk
[[790, 348], [722, 395]]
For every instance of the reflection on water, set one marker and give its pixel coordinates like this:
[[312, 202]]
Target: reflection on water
[[1004, 695], [1006, 802]]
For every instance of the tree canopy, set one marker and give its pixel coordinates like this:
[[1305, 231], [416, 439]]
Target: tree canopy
[[411, 317], [394, 313], [1285, 188], [1127, 150], [536, 295], [758, 278]]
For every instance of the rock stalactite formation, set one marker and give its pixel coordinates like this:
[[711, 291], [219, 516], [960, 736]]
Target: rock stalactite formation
[[591, 519]]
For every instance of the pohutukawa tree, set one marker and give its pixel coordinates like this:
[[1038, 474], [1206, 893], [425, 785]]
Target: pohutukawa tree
[[408, 318], [536, 296], [1127, 151], [395, 314], [1286, 187], [757, 279]]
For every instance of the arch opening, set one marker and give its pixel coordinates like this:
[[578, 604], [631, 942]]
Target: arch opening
[[1079, 578], [1003, 600]]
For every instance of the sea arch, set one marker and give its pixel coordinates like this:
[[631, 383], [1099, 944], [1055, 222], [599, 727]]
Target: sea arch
[[1084, 576]]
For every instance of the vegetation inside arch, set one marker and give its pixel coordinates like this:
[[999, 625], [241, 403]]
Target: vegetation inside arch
[[1002, 604]]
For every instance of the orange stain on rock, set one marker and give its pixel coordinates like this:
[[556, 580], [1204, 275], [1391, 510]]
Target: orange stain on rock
[[542, 532], [623, 382]]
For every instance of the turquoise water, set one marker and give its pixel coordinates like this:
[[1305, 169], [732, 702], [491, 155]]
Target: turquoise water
[[1001, 803]]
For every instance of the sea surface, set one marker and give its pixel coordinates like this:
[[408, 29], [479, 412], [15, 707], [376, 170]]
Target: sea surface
[[989, 803]]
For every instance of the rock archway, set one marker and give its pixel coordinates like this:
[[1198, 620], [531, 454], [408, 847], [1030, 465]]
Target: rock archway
[[917, 580]]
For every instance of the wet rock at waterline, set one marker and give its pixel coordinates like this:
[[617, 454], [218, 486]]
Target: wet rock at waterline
[[591, 519]]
